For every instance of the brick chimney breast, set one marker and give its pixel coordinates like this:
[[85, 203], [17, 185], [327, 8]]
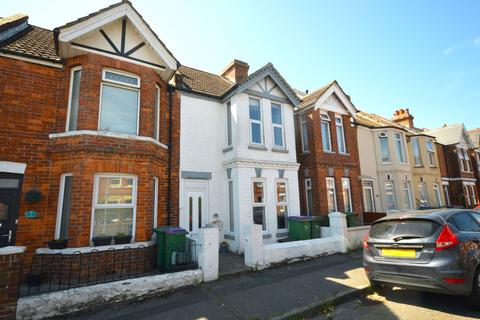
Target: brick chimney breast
[[236, 71], [403, 117]]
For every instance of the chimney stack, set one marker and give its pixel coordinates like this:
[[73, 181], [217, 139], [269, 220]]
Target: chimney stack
[[12, 25], [236, 71], [403, 117]]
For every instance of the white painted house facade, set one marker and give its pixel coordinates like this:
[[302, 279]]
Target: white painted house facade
[[237, 152]]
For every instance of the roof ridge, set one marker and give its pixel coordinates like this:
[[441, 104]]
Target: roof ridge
[[319, 89]]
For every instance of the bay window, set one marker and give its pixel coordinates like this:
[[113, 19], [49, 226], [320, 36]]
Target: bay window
[[64, 206], [331, 195], [417, 155], [73, 99], [407, 195], [119, 103], [114, 205], [347, 197], [384, 148], [277, 124], [325, 126], [400, 147], [438, 197], [446, 193], [282, 204], [466, 158], [422, 190], [390, 197], [256, 126], [431, 153], [340, 135], [258, 203]]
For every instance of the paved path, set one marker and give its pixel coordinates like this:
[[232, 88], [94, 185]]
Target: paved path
[[402, 305], [253, 295]]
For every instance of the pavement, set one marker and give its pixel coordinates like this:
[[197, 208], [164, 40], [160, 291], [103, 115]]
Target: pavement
[[399, 304], [287, 291]]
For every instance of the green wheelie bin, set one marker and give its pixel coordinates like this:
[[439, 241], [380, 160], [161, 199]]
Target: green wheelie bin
[[160, 232], [175, 241]]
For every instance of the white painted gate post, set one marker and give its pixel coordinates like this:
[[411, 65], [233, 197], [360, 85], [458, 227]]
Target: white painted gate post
[[338, 227], [208, 253], [253, 246]]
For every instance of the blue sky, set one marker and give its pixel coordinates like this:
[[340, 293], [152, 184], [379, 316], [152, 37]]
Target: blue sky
[[424, 55]]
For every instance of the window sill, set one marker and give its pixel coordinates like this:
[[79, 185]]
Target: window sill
[[387, 163], [279, 150], [344, 153], [227, 149], [257, 147], [267, 235], [418, 166], [106, 134], [133, 245], [329, 151], [305, 152]]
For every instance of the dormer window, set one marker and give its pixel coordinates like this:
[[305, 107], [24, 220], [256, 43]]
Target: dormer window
[[120, 103]]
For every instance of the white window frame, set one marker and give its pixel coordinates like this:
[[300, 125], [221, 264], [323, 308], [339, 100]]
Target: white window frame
[[274, 125], [327, 179], [96, 181], [325, 120], [466, 189], [282, 180], [231, 208], [364, 194], [349, 194], [303, 121], [461, 158], [431, 153], [406, 186], [229, 128], [61, 195], [256, 121], [436, 191], [158, 95], [263, 204], [416, 147], [466, 157], [446, 193], [426, 192], [155, 202], [384, 135], [339, 125], [473, 194], [399, 140], [74, 69], [308, 187], [477, 156], [394, 196], [121, 85]]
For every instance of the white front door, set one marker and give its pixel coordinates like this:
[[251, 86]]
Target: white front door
[[194, 215]]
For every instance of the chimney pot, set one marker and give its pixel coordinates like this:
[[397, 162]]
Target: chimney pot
[[402, 116]]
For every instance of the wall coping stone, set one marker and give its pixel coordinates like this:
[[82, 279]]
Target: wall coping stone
[[12, 250], [134, 245]]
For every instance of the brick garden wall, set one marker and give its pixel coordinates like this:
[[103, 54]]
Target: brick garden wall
[[10, 266]]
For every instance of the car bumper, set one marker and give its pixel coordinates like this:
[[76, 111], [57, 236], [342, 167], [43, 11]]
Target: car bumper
[[423, 277]]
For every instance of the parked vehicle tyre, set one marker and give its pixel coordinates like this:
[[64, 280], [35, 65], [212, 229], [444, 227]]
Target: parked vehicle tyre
[[474, 298]]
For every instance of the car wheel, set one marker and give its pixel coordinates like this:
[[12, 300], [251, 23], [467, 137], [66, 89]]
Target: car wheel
[[474, 299], [376, 285]]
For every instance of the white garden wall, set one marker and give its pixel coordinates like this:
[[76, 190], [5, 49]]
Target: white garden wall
[[356, 235]]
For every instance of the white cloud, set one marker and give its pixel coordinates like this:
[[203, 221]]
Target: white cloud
[[475, 42]]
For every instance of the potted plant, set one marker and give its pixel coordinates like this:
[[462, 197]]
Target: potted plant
[[223, 247], [57, 244], [122, 238], [102, 240]]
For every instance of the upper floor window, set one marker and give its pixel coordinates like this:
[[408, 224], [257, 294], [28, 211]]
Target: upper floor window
[[229, 124], [120, 103], [464, 160], [340, 135], [431, 153], [304, 132], [417, 155], [256, 126], [467, 160], [277, 124], [156, 124], [400, 148], [74, 97], [326, 138], [384, 149]]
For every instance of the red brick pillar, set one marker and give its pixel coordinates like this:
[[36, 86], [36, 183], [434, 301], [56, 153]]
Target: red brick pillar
[[10, 270]]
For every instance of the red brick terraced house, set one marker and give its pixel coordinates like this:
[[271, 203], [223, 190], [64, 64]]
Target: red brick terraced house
[[90, 130], [475, 153], [327, 152], [457, 166]]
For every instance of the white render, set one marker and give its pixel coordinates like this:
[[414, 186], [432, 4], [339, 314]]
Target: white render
[[68, 301], [203, 150]]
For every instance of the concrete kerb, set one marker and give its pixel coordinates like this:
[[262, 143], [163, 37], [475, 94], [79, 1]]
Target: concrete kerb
[[315, 308]]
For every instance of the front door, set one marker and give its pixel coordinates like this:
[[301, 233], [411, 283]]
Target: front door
[[195, 207], [10, 187]]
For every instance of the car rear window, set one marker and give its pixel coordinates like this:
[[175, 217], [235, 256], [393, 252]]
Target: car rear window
[[391, 229]]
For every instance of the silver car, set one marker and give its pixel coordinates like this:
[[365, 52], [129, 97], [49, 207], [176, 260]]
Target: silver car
[[437, 251]]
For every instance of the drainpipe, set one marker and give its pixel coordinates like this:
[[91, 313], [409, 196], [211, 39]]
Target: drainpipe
[[170, 90]]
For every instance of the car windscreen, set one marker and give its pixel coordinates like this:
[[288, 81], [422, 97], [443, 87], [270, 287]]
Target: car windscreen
[[403, 229]]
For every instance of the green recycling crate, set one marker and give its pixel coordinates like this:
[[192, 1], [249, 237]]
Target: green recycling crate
[[175, 241], [304, 227]]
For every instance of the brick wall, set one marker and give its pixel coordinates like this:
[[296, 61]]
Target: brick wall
[[34, 101], [317, 162], [10, 270]]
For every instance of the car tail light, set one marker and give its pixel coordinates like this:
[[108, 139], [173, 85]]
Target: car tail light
[[446, 239], [454, 280], [365, 242]]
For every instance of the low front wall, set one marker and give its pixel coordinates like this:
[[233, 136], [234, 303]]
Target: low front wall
[[281, 252], [356, 235], [85, 298]]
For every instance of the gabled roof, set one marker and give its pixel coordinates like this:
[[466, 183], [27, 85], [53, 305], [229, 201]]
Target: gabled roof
[[203, 82], [375, 121], [450, 134], [314, 96], [265, 71], [475, 137], [216, 86]]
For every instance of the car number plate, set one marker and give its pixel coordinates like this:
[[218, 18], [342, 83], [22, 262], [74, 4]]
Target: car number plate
[[400, 253]]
